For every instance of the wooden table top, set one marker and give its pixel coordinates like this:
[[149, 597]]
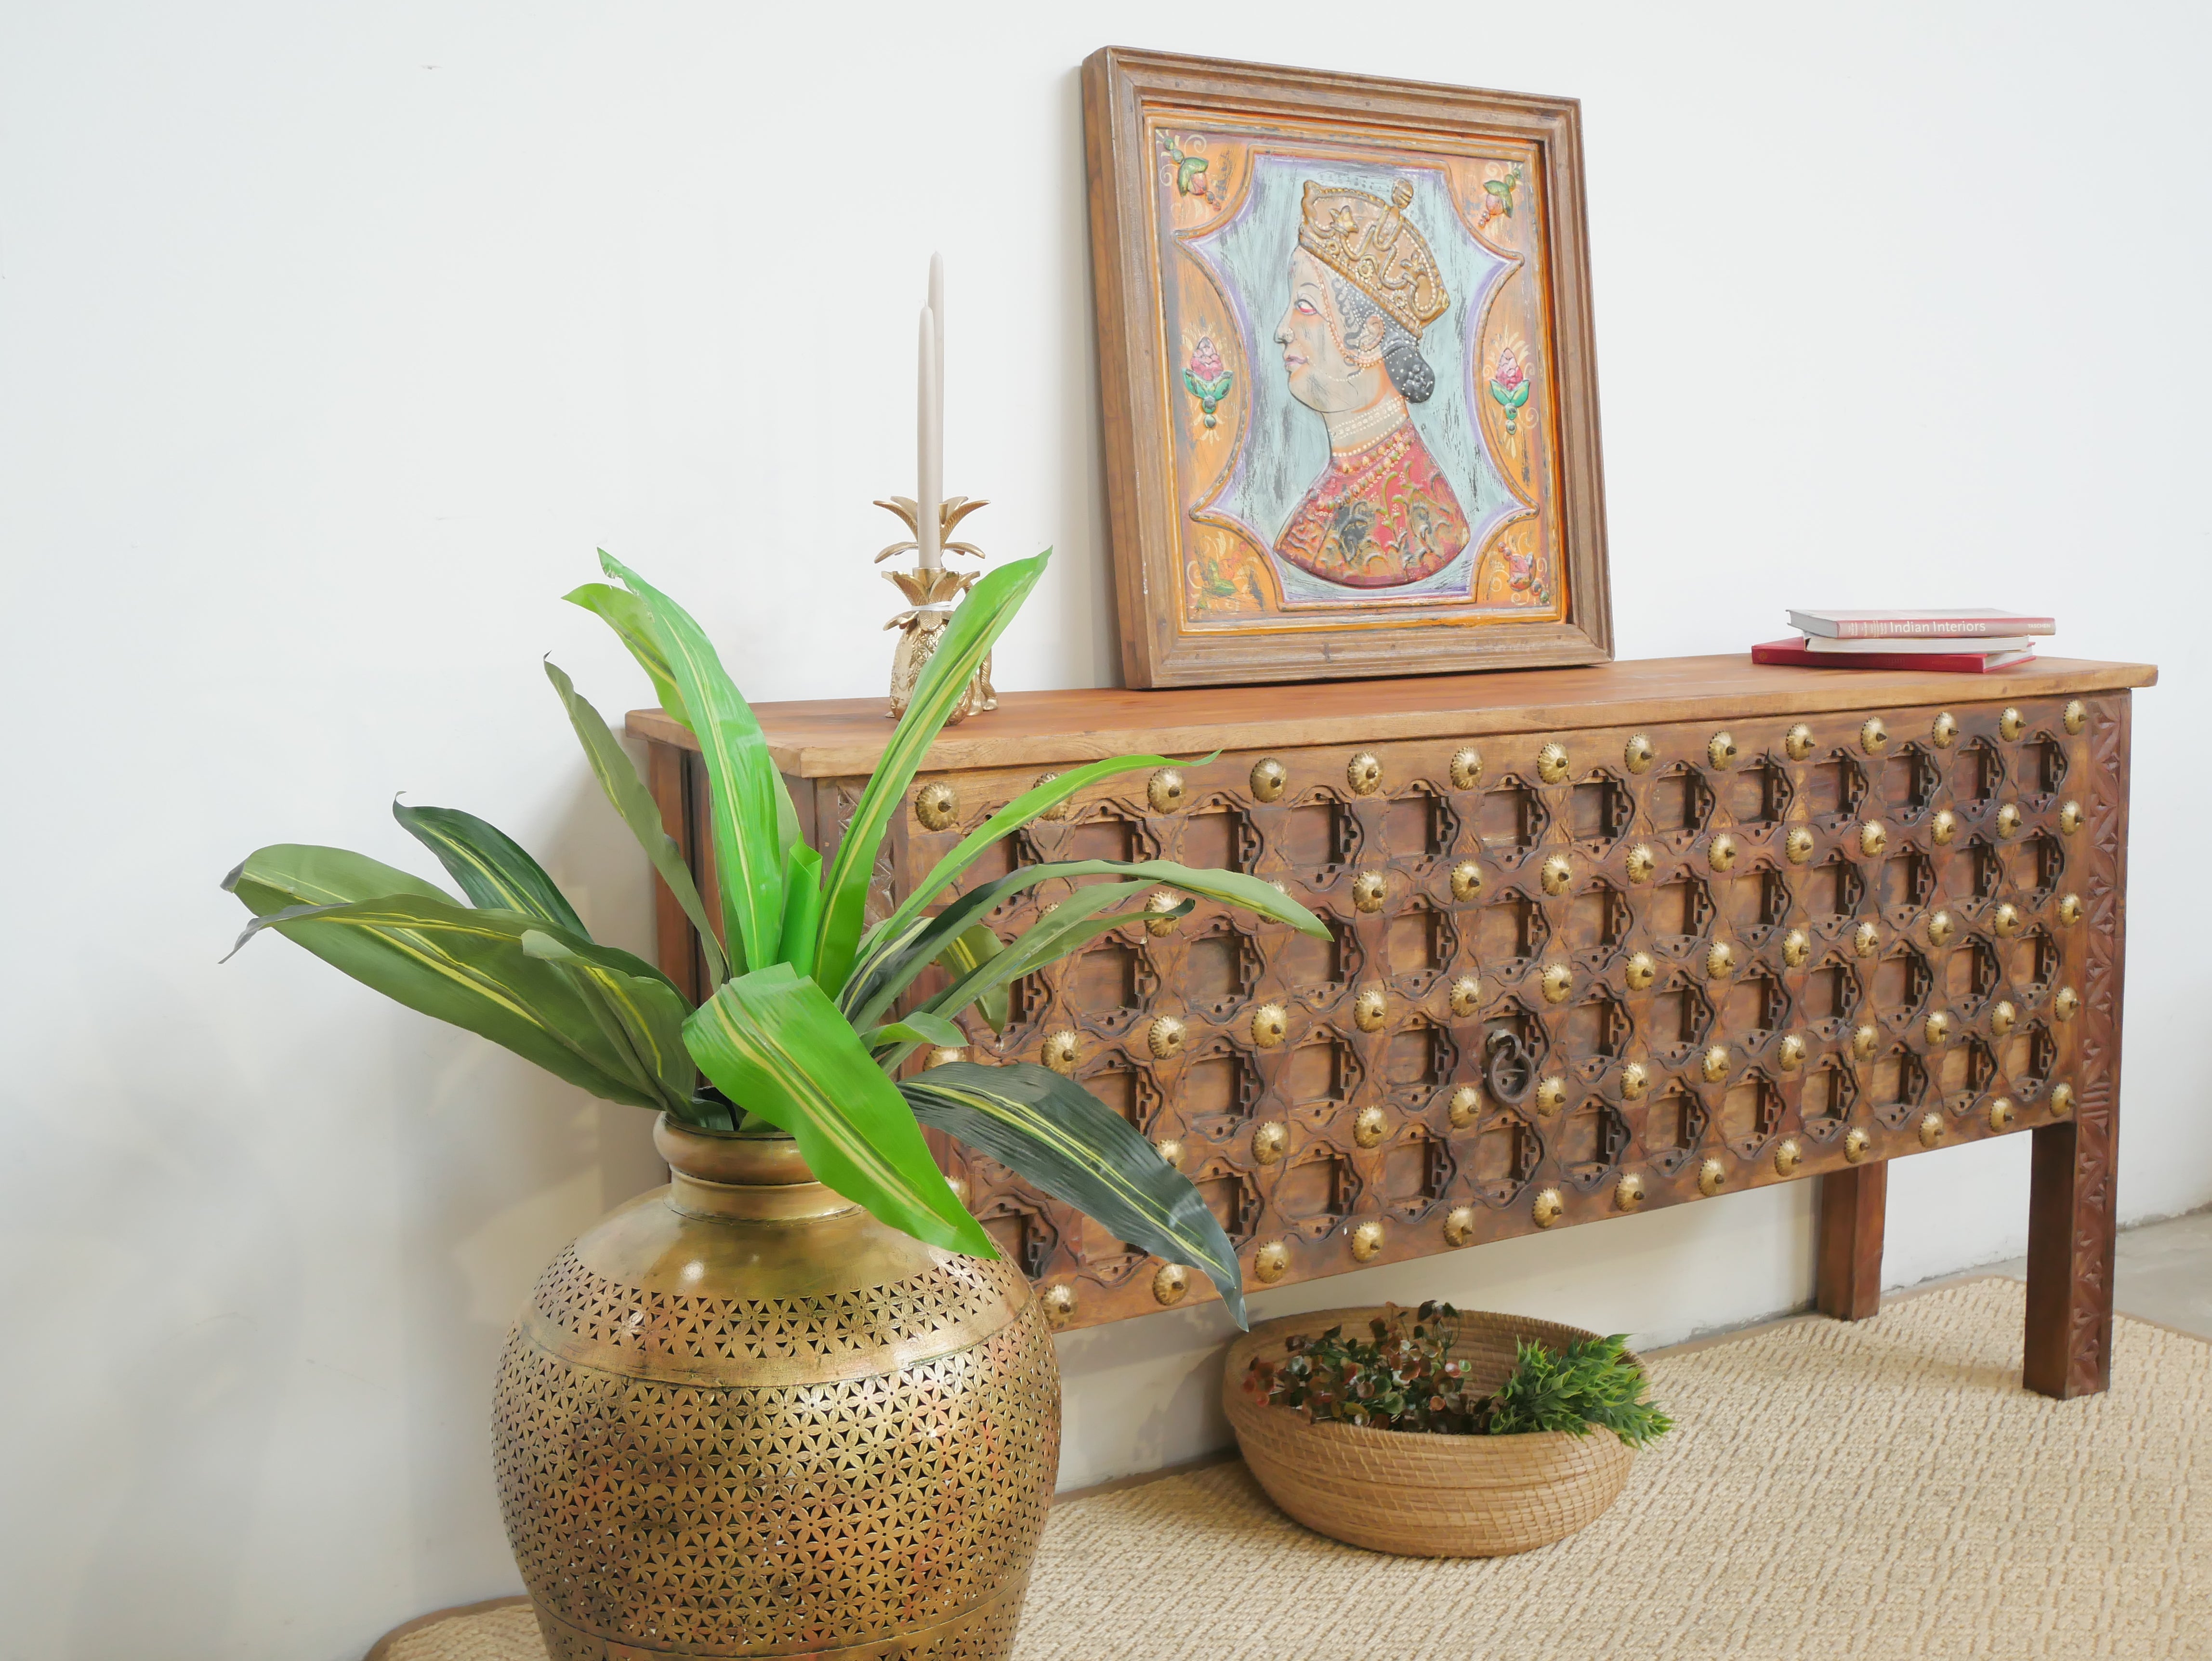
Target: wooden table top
[[832, 738]]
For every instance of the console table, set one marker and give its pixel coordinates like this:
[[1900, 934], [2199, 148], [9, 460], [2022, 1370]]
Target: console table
[[1605, 938]]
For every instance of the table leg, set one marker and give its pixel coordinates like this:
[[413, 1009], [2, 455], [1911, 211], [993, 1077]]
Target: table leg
[[2071, 1221], [1850, 1256]]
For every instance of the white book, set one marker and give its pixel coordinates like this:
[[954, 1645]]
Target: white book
[[1930, 644]]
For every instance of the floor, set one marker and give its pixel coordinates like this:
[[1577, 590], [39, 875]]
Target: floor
[[2164, 1274]]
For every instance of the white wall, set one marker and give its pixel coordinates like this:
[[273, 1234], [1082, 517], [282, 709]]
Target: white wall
[[332, 340]]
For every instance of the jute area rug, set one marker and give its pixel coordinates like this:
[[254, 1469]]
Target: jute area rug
[[1883, 1489]]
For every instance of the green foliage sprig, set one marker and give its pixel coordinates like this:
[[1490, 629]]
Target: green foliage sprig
[[1405, 1378]]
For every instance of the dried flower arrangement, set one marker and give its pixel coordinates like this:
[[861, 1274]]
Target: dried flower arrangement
[[1407, 1379]]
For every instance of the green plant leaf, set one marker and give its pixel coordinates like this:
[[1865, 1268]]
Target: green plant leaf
[[465, 966], [773, 1043], [626, 615], [969, 950], [977, 625], [1057, 1135], [918, 1028], [639, 1010], [754, 822], [491, 865], [617, 777], [802, 907]]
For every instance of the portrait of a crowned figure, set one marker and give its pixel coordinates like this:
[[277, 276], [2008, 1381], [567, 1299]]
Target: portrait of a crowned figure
[[1364, 285]]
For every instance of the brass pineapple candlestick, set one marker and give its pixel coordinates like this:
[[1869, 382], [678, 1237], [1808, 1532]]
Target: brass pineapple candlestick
[[931, 593]]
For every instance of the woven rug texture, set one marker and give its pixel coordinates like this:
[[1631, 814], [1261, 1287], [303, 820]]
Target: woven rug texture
[[1883, 1489]]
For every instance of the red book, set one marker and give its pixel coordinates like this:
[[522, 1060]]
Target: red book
[[1959, 621], [1795, 654]]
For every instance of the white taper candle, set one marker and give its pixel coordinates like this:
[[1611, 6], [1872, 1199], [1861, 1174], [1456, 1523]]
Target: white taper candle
[[929, 448]]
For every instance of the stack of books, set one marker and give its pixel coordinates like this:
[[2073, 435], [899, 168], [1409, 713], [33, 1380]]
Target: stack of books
[[1967, 639]]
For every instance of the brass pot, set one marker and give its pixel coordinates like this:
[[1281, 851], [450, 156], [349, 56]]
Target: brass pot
[[741, 1417]]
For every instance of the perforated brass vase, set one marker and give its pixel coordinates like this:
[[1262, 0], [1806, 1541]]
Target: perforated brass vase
[[740, 1417]]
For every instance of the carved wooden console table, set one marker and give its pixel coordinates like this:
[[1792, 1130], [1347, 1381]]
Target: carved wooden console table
[[1606, 939]]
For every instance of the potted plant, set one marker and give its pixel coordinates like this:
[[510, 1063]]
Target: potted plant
[[794, 1401], [1442, 1435]]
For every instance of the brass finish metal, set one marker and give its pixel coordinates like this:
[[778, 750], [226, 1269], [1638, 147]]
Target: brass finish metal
[[1874, 841], [1370, 1008], [1639, 971], [1866, 939], [1937, 1027], [1062, 1049], [2008, 820], [1720, 960], [1058, 1301], [1712, 1177], [1797, 742], [1856, 1145], [1459, 1224], [1466, 880], [1634, 1081], [1268, 778], [1159, 901], [2070, 909], [1548, 1208], [1059, 810], [1370, 889], [1270, 1262], [1931, 1130], [1269, 1139], [1942, 825], [1164, 790], [1720, 748], [2001, 1016], [1270, 1023], [1628, 1192], [2070, 819], [1940, 929], [1790, 1054], [1367, 1241], [2062, 1099], [1466, 1106], [936, 805], [1371, 1127], [2005, 919], [1551, 1095], [943, 1055], [2077, 715], [1787, 1156], [1170, 1284], [1720, 852], [1559, 870], [1364, 773], [1642, 862], [2002, 1114], [2011, 724], [2065, 1002], [1714, 1064], [1170, 1150], [1558, 981], [1943, 731], [1865, 1040], [1797, 846], [1164, 1037], [1873, 737], [1797, 948], [1466, 996], [1466, 767], [1552, 763], [728, 1349], [1638, 754]]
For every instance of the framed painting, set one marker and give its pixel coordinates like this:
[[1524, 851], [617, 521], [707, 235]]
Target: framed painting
[[1351, 404]]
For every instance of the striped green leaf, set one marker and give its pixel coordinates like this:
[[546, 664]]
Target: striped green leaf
[[977, 625], [625, 613], [491, 867], [753, 820], [641, 1014], [918, 1028], [772, 1042], [802, 907], [617, 777], [970, 949], [1057, 1135]]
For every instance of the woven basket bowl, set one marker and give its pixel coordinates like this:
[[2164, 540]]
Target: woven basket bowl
[[1414, 1493]]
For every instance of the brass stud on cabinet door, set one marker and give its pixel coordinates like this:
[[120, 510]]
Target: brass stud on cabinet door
[[2070, 909], [1370, 1008], [1058, 1302], [2062, 1099], [2001, 1114], [937, 803], [1628, 1193], [1856, 1145], [1164, 790], [2008, 820], [1797, 846], [1559, 870], [1269, 1141], [1797, 742], [1865, 1040], [1466, 996], [1170, 1150], [1271, 1023], [2077, 715], [1164, 1037], [1558, 983], [1371, 1127], [2065, 1003], [1638, 754], [1797, 948], [2005, 919], [1787, 1156], [1866, 939], [1551, 1095], [1459, 1224], [1714, 1065], [1943, 731], [1634, 1081], [1712, 1177], [1367, 1241], [1720, 748], [1548, 1208], [1639, 971], [1466, 767], [1790, 1054], [1940, 929], [1268, 778], [2011, 724], [1370, 889], [1552, 763], [944, 1056], [1874, 840], [1466, 1106], [2070, 819], [1271, 1261], [2001, 1016], [1942, 827], [1061, 1049], [1059, 810], [1937, 1027], [1931, 1130], [1642, 863], [1466, 880], [1720, 852], [1720, 960], [1157, 905], [1873, 737], [1364, 773], [1170, 1283]]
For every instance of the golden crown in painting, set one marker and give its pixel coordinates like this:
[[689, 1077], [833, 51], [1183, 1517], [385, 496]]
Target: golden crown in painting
[[1367, 242]]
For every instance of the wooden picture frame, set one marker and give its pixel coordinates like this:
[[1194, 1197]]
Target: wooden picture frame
[[1345, 360]]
